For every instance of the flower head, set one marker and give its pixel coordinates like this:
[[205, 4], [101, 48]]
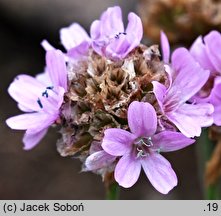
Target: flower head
[[40, 101], [111, 39], [141, 147]]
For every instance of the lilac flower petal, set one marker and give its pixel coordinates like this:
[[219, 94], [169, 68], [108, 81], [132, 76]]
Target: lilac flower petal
[[99, 160], [111, 21], [47, 46], [190, 78], [215, 99], [117, 141], [190, 118], [159, 91], [217, 115], [30, 140], [34, 121], [215, 96], [160, 173], [167, 141], [198, 51], [165, 46], [127, 171], [202, 113], [118, 49], [142, 119], [44, 78], [56, 68], [185, 124], [134, 30], [78, 51], [73, 35], [24, 108], [95, 29], [26, 90], [213, 43]]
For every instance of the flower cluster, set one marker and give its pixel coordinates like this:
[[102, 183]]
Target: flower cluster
[[118, 105]]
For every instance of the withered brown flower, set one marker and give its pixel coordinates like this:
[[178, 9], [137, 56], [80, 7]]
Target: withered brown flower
[[182, 20], [100, 92]]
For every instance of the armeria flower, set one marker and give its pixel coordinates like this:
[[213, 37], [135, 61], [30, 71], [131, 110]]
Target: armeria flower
[[109, 38], [187, 78], [75, 40], [40, 101], [141, 148], [204, 51]]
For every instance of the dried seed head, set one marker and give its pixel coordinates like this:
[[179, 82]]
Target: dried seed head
[[100, 92]]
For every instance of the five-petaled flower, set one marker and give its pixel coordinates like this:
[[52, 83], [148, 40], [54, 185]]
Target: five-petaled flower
[[110, 39], [187, 78], [39, 100], [141, 148]]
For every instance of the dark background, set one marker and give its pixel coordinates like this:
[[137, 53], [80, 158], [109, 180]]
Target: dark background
[[42, 173]]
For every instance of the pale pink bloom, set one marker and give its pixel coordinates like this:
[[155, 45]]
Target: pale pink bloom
[[40, 101], [140, 148], [111, 39]]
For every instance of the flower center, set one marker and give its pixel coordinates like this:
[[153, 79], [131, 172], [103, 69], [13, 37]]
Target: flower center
[[142, 146]]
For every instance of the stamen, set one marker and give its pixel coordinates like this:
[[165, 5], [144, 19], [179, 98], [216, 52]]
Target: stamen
[[141, 153], [143, 145], [117, 36], [147, 141], [45, 93], [50, 87], [39, 103]]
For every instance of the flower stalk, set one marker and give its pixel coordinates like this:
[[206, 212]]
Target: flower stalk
[[113, 192]]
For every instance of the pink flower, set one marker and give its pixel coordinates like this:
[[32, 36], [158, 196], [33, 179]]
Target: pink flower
[[109, 38], [206, 52], [141, 148], [187, 78], [40, 101], [74, 39]]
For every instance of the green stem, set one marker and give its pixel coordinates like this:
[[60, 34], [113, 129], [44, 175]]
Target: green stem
[[212, 191], [113, 192]]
